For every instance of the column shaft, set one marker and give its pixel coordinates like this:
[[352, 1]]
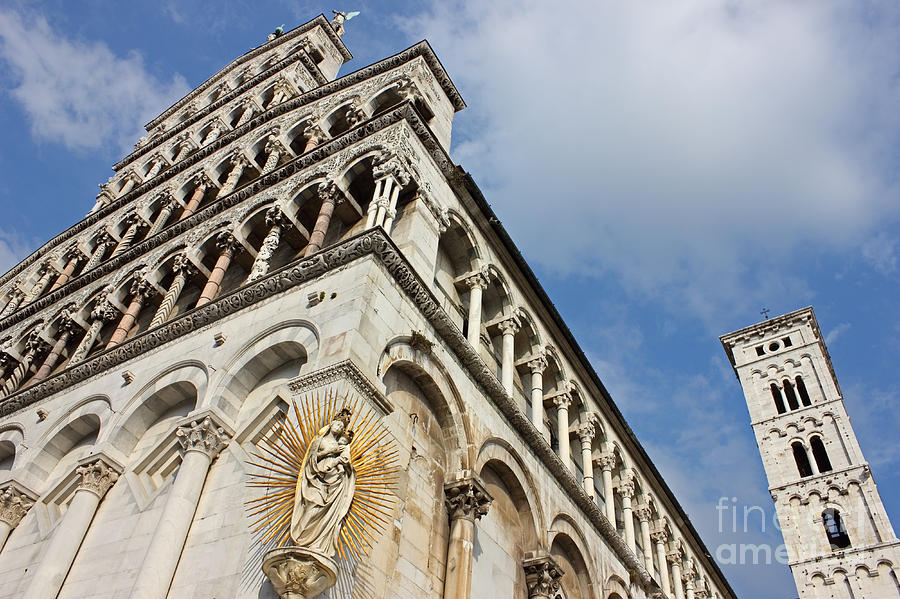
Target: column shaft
[[474, 332], [87, 342], [317, 237], [67, 538], [507, 368], [608, 498], [127, 239], [211, 289], [537, 400], [676, 578], [648, 545], [458, 579], [629, 523], [52, 358], [587, 464], [127, 321], [12, 304], [162, 219], [39, 287], [266, 250], [66, 274], [562, 431], [97, 256], [169, 300], [194, 202], [663, 567]]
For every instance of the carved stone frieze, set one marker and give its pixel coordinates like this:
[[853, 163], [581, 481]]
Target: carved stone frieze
[[466, 497], [347, 371]]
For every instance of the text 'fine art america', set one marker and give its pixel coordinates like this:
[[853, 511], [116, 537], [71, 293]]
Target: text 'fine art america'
[[327, 472]]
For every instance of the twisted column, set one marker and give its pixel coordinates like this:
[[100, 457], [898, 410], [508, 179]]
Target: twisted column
[[626, 492], [158, 164], [331, 196], [202, 183], [186, 147], [102, 313], [130, 181], [467, 501], [95, 479], [213, 134], [586, 433], [476, 283], [542, 576], [660, 537], [239, 162], [45, 273], [276, 221], [141, 289], [314, 135], [274, 150], [508, 329], [34, 348], [15, 299], [75, 257], [66, 328], [201, 441], [104, 242], [14, 504], [168, 207], [135, 224], [228, 245], [643, 513], [247, 114], [537, 366], [183, 269], [607, 462]]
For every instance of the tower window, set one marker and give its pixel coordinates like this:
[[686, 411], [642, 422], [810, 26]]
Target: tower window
[[787, 342], [791, 396], [774, 346], [803, 465], [834, 529], [801, 389], [760, 351], [819, 454], [776, 395]]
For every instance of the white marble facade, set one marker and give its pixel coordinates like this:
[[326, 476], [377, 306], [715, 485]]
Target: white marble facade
[[281, 231]]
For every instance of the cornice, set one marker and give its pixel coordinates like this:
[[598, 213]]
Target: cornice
[[374, 243], [404, 111], [347, 371], [250, 55]]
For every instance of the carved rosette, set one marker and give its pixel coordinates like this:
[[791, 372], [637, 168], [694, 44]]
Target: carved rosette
[[203, 436], [467, 498], [14, 504], [542, 576], [97, 477], [298, 573]]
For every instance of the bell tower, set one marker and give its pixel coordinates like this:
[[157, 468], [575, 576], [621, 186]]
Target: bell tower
[[838, 537]]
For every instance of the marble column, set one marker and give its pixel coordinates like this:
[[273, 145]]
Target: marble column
[[201, 441], [247, 114], [45, 273], [201, 184], [274, 151], [660, 537], [467, 501], [607, 462], [102, 313], [213, 134], [562, 403], [135, 224], [239, 162], [168, 207], [130, 181], [183, 269], [187, 146], [689, 577], [74, 257], [674, 559], [104, 242], [477, 283], [542, 575], [537, 365], [94, 480], [35, 347], [140, 291], [331, 196], [276, 221], [66, 328], [227, 245], [154, 170], [15, 299], [508, 328], [14, 504], [643, 514], [314, 136], [626, 492], [586, 433]]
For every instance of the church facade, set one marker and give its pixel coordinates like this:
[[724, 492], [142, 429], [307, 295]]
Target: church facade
[[839, 539], [280, 234]]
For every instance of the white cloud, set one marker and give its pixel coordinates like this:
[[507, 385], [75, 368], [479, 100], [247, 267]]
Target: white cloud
[[881, 252], [79, 93], [686, 148], [12, 250], [836, 332]]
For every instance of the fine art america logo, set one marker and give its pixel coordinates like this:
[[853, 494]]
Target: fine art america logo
[[749, 519]]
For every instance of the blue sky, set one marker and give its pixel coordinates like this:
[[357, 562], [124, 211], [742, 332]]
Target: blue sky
[[668, 169]]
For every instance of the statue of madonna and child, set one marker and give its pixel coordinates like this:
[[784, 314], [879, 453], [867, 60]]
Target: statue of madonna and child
[[324, 492]]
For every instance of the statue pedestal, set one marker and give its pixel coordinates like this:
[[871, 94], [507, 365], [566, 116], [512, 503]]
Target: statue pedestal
[[298, 573]]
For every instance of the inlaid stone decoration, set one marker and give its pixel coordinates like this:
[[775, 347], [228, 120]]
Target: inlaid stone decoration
[[328, 473]]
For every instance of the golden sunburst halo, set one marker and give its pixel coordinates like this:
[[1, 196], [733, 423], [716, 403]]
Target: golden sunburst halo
[[280, 457]]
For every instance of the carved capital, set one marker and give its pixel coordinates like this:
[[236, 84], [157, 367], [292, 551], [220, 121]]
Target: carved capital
[[606, 461], [674, 556], [104, 311], [239, 159], [314, 133], [406, 88], [275, 217], [226, 242], [562, 401], [659, 536], [510, 325], [643, 513], [201, 180], [466, 497], [181, 265], [142, 287], [35, 345], [97, 477], [538, 363], [626, 488], [389, 164], [586, 432], [203, 436], [542, 575], [14, 504], [329, 191]]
